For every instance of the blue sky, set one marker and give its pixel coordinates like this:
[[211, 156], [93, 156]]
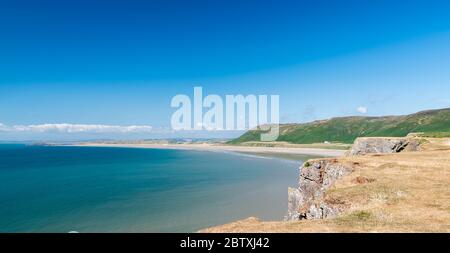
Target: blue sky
[[119, 63]]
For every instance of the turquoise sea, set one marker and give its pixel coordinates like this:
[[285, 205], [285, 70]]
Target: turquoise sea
[[90, 189]]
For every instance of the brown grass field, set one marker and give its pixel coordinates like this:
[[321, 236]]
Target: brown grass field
[[403, 192]]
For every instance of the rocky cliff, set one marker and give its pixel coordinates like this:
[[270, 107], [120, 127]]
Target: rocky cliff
[[316, 176], [395, 192], [375, 145], [308, 200]]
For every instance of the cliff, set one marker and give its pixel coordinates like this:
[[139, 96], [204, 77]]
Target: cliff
[[317, 176], [375, 189]]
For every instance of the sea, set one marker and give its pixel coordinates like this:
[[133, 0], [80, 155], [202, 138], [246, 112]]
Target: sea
[[107, 189]]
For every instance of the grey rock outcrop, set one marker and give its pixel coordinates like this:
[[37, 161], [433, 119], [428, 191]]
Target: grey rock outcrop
[[307, 201], [375, 145]]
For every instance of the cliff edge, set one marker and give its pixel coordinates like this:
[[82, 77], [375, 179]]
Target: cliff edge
[[381, 185], [317, 176], [308, 200]]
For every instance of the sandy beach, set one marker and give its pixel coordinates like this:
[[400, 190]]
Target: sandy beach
[[218, 147]]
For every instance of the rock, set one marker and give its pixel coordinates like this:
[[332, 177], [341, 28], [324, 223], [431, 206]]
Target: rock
[[376, 145], [316, 176], [321, 211], [307, 201], [294, 201]]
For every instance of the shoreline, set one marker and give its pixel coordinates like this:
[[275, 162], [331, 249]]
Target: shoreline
[[216, 147]]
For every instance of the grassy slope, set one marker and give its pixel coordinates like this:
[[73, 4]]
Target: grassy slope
[[347, 129]]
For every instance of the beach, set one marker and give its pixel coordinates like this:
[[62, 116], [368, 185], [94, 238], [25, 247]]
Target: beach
[[221, 147]]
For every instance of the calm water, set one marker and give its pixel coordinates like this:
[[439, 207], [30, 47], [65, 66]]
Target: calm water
[[88, 189]]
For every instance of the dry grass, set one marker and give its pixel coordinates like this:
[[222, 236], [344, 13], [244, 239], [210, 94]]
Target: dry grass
[[410, 192]]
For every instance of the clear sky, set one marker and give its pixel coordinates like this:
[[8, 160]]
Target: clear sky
[[118, 63]]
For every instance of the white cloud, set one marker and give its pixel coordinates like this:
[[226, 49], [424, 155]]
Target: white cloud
[[3, 127], [75, 128], [362, 109]]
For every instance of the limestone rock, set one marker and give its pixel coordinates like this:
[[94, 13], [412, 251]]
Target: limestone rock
[[377, 145], [294, 201], [321, 211], [307, 201], [316, 176]]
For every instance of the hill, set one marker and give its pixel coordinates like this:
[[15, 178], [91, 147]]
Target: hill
[[347, 129]]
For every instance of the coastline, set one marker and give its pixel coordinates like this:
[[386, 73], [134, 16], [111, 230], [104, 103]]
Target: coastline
[[217, 147]]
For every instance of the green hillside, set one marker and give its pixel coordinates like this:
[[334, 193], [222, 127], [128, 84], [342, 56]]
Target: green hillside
[[347, 129]]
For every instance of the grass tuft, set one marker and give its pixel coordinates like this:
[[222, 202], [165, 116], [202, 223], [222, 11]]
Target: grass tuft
[[361, 215]]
